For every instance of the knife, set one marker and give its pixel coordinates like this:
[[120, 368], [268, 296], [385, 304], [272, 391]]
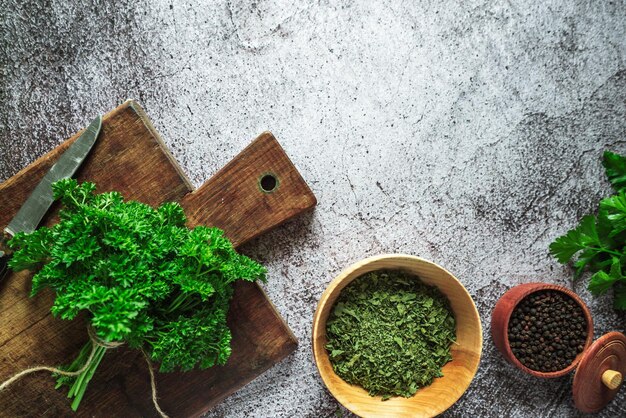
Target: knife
[[40, 200]]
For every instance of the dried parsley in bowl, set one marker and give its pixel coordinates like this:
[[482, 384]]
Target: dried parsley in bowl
[[390, 333]]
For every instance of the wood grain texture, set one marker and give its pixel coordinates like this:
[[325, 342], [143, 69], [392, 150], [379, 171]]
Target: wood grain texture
[[607, 353], [502, 314], [130, 157], [458, 374], [237, 184]]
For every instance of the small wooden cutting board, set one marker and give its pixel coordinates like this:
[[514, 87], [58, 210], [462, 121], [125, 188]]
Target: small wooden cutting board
[[130, 157]]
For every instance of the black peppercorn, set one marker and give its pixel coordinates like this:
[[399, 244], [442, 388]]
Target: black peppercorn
[[547, 330]]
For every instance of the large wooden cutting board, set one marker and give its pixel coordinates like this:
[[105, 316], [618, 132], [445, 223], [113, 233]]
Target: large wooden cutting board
[[130, 157]]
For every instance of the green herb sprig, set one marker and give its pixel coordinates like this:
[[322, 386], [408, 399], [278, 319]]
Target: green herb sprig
[[141, 276], [598, 243], [390, 333]]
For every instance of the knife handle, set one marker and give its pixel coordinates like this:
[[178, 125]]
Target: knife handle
[[5, 256]]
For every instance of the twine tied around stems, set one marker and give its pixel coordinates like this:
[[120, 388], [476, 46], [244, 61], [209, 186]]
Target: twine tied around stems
[[95, 342]]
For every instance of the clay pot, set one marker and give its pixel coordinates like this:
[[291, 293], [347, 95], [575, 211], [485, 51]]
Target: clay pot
[[502, 314]]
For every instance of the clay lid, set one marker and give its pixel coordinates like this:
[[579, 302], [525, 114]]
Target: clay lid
[[600, 373]]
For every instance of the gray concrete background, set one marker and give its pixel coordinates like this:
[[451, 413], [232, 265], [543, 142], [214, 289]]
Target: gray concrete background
[[469, 133]]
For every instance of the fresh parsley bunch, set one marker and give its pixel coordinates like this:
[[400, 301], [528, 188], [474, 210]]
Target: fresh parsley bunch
[[598, 243], [140, 274]]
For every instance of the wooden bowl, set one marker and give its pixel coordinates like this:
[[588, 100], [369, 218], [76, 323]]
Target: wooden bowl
[[443, 392], [502, 314]]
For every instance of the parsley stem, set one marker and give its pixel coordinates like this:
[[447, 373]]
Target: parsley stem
[[86, 376], [612, 252], [177, 302], [80, 382]]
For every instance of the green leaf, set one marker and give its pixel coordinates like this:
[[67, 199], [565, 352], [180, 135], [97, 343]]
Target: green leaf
[[615, 166], [619, 296], [580, 238], [138, 275], [616, 268], [398, 341], [336, 353], [393, 333], [604, 228], [615, 207], [600, 282], [600, 243]]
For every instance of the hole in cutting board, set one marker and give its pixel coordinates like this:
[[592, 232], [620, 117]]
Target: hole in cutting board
[[268, 182]]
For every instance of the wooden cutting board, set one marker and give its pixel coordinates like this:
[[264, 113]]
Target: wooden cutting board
[[130, 157]]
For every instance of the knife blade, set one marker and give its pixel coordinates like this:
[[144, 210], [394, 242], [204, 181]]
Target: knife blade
[[33, 210]]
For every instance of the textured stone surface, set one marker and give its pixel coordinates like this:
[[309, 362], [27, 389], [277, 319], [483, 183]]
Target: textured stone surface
[[469, 134]]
